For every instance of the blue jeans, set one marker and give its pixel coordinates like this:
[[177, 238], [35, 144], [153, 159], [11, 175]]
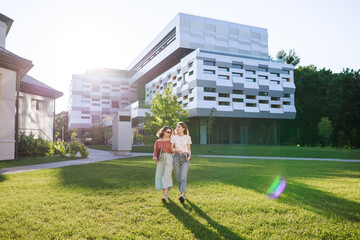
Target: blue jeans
[[181, 168]]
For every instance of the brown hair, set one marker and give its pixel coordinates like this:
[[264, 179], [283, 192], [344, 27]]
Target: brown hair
[[182, 124], [160, 133]]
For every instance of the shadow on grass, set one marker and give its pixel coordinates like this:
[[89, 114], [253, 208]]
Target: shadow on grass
[[253, 175], [199, 230], [2, 178]]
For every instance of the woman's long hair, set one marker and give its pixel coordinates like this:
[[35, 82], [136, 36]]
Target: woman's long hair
[[160, 133], [182, 124]]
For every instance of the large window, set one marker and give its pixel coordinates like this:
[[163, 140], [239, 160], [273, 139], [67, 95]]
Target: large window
[[207, 98], [209, 63], [207, 71], [224, 103], [238, 66], [115, 104], [223, 77], [208, 89], [236, 91], [226, 95], [224, 69]]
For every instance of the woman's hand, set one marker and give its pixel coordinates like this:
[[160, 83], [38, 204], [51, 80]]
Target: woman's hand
[[188, 158], [155, 159]]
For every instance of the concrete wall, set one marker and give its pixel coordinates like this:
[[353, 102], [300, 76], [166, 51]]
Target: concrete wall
[[7, 113], [36, 115]]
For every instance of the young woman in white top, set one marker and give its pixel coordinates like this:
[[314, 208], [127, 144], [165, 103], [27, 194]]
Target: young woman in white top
[[180, 145]]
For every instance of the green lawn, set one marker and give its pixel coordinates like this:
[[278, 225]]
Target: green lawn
[[225, 200], [259, 150], [22, 161]]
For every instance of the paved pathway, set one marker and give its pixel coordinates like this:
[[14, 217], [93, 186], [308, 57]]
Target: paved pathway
[[98, 156]]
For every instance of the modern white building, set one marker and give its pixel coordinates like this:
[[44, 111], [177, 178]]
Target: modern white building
[[225, 66], [96, 94]]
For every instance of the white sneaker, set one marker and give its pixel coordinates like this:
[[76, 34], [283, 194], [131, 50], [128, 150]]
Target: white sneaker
[[164, 198]]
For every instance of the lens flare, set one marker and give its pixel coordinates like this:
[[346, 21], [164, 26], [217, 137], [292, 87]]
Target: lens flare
[[277, 187]]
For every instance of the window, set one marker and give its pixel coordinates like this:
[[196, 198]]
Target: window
[[238, 66], [174, 85], [191, 73], [174, 77], [235, 74], [179, 78], [275, 106], [275, 74], [286, 103], [95, 99], [179, 95], [250, 71], [85, 117], [209, 63], [275, 99], [224, 103], [38, 105], [115, 104], [224, 95], [263, 94], [250, 79], [223, 77], [190, 64], [251, 104], [285, 71], [262, 69], [207, 89], [207, 71], [286, 79], [105, 87], [191, 90], [250, 97], [238, 100], [262, 77], [95, 104], [95, 88], [274, 82], [185, 105], [263, 101], [224, 69], [85, 112], [286, 95], [206, 98], [236, 91], [191, 99], [185, 97]]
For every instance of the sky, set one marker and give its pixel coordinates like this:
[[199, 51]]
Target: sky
[[66, 37]]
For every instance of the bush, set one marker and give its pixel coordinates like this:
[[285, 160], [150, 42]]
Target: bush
[[60, 148], [84, 151], [31, 147], [76, 147]]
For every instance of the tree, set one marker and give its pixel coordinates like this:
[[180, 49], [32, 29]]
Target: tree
[[166, 111], [210, 124], [62, 121], [290, 58], [325, 129]]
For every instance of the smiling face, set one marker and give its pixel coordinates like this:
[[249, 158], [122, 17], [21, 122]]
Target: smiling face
[[180, 129]]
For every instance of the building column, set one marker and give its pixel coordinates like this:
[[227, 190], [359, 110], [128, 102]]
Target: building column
[[203, 133]]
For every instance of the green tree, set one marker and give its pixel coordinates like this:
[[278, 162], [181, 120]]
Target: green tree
[[166, 111], [289, 58], [325, 130], [62, 121], [209, 126]]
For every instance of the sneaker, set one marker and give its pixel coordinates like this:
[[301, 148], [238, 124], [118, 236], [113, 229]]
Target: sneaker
[[182, 199], [164, 198]]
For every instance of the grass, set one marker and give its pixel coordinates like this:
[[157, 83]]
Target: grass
[[23, 161], [259, 150], [225, 200]]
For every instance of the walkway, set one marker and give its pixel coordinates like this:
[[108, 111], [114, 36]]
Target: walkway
[[99, 156]]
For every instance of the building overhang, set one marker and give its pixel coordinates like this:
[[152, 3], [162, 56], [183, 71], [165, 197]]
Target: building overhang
[[15, 63]]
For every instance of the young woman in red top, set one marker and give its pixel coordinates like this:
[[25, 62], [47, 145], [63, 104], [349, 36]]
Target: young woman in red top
[[164, 159]]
